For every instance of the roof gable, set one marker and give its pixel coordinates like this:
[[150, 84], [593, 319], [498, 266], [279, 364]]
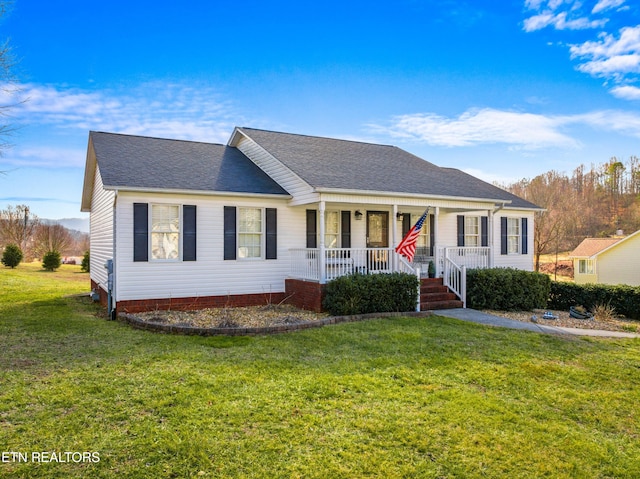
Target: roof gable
[[137, 162], [328, 163], [593, 246]]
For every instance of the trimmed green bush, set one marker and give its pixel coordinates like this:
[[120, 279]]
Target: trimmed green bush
[[624, 299], [12, 256], [51, 261], [372, 293], [507, 289], [85, 266]]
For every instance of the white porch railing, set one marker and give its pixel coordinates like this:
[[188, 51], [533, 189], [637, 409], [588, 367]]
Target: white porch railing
[[455, 278], [305, 262], [471, 257]]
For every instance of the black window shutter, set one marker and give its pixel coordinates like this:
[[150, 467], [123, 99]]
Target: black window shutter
[[460, 230], [140, 232], [189, 232], [484, 231], [432, 234], [312, 229], [230, 232], [345, 239], [503, 235], [271, 239], [525, 236], [406, 223]]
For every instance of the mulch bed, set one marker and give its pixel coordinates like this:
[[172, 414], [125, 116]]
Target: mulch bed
[[564, 320]]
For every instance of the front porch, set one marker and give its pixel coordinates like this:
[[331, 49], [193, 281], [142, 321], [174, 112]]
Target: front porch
[[324, 264], [312, 268]]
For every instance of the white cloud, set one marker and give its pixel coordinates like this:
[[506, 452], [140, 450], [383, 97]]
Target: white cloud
[[153, 109], [485, 126], [524, 131], [626, 92], [610, 56], [603, 5], [560, 22], [45, 157]]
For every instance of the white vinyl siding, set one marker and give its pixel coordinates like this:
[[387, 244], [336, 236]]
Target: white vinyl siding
[[101, 226], [210, 275]]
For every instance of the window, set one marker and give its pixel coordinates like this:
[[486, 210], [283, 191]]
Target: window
[[165, 232], [332, 229], [423, 241], [250, 232], [586, 266], [471, 231], [513, 235]]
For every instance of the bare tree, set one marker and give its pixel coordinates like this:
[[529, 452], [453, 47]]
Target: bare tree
[[53, 237], [7, 83], [17, 226]]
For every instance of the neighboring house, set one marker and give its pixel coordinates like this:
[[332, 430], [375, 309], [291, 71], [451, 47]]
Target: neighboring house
[[608, 260], [274, 215]]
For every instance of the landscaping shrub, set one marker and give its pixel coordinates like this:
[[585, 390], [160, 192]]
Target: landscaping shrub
[[373, 293], [507, 289], [84, 267], [624, 299], [12, 256], [51, 261]]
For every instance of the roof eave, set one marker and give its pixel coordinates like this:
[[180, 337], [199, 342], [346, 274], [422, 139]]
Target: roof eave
[[408, 195], [195, 192]]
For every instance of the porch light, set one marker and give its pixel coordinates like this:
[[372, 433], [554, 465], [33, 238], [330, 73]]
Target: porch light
[[398, 216], [358, 214]]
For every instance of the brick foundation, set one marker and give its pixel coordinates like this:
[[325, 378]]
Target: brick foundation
[[193, 303], [103, 294], [304, 294]]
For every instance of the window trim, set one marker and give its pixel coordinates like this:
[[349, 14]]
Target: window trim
[[586, 266], [262, 233], [151, 234], [518, 236]]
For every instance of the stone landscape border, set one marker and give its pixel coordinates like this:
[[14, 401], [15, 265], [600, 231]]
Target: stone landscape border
[[138, 323]]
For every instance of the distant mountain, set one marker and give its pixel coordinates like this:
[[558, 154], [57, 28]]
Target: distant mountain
[[77, 224]]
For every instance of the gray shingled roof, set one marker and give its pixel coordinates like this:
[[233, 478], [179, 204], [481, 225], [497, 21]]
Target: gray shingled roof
[[127, 161], [352, 165]]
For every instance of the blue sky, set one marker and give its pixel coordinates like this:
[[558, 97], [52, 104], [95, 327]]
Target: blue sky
[[501, 89]]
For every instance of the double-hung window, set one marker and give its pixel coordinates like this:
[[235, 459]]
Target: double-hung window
[[513, 235], [471, 231], [332, 229], [586, 266], [165, 232], [250, 233]]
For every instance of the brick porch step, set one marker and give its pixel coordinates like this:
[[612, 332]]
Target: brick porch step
[[435, 295]]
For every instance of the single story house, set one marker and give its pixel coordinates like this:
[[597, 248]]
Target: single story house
[[272, 215], [608, 260]]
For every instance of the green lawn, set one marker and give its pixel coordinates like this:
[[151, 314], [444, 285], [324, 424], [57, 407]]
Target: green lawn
[[432, 398]]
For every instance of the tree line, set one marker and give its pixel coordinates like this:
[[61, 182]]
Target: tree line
[[35, 237], [599, 201]]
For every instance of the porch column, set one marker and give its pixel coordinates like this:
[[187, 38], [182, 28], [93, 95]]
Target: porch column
[[394, 236], [321, 247], [490, 239], [436, 240]]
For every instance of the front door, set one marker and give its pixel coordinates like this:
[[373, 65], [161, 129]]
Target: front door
[[377, 229]]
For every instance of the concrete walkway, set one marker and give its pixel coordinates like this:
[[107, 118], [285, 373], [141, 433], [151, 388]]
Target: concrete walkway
[[474, 316]]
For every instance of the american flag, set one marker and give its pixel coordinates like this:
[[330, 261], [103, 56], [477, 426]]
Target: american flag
[[407, 246]]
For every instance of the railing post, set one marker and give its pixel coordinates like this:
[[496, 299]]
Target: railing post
[[463, 286], [418, 305]]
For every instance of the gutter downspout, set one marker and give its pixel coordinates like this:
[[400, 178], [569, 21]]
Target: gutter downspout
[[112, 289]]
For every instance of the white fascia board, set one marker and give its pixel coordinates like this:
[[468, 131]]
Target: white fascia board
[[409, 195], [196, 192]]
